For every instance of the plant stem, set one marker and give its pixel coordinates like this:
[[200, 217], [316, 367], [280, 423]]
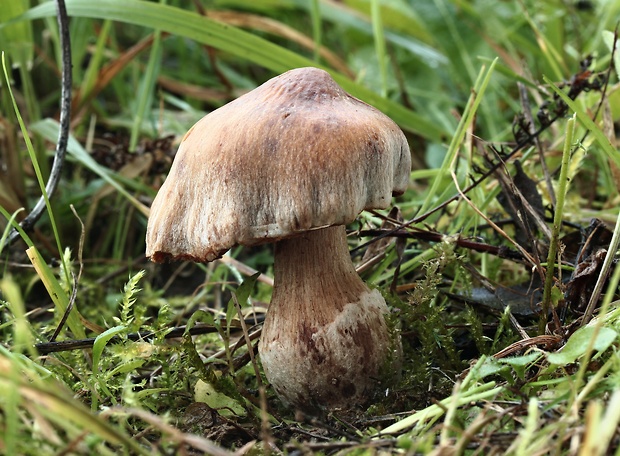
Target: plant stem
[[557, 220]]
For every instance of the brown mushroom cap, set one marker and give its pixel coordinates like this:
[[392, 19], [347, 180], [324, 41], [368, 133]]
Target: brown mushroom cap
[[295, 154]]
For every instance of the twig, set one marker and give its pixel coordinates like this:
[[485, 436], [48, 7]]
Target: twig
[[547, 342], [432, 236], [63, 133], [334, 445], [66, 345], [68, 310]]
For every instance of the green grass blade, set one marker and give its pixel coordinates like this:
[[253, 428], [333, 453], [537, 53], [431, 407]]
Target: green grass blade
[[433, 412], [51, 399], [12, 221], [16, 39], [608, 38], [99, 345], [22, 336], [379, 38], [235, 41], [315, 14], [56, 292], [33, 157], [147, 86], [11, 218], [587, 122], [48, 129], [101, 341], [468, 117], [409, 30], [92, 72]]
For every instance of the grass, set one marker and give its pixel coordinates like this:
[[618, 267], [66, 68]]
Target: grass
[[154, 359]]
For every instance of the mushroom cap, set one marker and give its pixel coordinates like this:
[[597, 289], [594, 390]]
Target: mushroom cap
[[297, 153]]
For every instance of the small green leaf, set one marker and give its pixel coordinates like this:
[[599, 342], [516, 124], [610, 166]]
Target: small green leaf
[[200, 316], [578, 344], [491, 366], [225, 405], [556, 295], [127, 367], [231, 312], [101, 341], [521, 363], [243, 291]]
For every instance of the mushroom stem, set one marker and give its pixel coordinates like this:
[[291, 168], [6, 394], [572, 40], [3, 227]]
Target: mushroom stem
[[325, 342], [316, 268]]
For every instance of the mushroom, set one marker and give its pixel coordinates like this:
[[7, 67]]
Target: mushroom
[[292, 162]]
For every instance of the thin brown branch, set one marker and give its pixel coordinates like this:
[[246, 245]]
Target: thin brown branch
[[45, 348]]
